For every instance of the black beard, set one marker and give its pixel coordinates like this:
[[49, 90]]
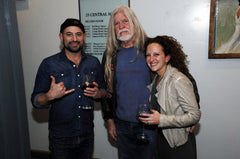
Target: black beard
[[73, 50]]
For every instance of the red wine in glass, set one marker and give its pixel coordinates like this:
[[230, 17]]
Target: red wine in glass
[[86, 85], [87, 80]]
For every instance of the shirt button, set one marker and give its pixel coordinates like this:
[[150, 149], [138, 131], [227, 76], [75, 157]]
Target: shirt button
[[79, 96], [62, 74], [78, 75], [79, 116], [79, 86], [74, 65], [79, 107]]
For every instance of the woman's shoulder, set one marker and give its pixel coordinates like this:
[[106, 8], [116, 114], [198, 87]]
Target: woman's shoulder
[[179, 76]]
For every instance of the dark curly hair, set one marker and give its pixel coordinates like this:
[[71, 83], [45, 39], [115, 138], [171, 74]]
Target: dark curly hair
[[171, 47]]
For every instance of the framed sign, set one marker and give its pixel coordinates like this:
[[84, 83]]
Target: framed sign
[[95, 15], [224, 31]]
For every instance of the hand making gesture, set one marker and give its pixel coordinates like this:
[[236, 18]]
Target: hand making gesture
[[57, 90]]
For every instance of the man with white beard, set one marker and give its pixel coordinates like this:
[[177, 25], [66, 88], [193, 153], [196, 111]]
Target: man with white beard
[[127, 76]]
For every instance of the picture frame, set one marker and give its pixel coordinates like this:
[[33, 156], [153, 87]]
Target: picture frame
[[223, 35]]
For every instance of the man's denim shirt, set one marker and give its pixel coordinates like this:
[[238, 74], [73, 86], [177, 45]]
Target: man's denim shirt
[[72, 114]]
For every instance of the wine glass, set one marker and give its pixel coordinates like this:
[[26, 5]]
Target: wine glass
[[88, 80], [145, 109]]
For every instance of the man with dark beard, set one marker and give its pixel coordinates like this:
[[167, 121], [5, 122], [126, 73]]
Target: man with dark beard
[[58, 85]]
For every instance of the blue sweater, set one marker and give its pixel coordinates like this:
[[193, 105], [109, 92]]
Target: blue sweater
[[132, 77]]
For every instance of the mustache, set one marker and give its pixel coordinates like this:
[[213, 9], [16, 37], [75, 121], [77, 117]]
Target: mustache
[[74, 42], [122, 30]]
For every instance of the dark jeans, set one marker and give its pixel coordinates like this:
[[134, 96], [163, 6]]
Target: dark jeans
[[129, 146], [185, 151], [79, 147]]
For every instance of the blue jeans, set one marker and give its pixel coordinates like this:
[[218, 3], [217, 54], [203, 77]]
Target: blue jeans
[[129, 146], [79, 147]]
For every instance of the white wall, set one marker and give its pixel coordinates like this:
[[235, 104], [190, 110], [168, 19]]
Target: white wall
[[186, 20]]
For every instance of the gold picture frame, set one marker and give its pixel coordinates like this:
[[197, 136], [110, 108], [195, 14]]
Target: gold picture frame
[[222, 31]]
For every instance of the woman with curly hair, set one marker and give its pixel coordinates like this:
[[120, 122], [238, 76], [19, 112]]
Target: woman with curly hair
[[172, 94]]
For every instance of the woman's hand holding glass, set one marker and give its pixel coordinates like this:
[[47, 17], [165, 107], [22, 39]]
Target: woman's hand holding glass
[[150, 119]]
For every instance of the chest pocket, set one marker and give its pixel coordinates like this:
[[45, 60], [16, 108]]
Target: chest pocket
[[65, 77]]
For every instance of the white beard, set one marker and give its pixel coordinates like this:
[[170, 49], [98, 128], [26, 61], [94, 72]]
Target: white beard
[[126, 37]]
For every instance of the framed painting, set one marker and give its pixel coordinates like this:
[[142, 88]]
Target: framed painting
[[95, 15], [224, 31]]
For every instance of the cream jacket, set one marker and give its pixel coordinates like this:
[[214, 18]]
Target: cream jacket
[[178, 105]]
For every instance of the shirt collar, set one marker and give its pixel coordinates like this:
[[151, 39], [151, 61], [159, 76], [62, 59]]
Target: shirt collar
[[63, 56]]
